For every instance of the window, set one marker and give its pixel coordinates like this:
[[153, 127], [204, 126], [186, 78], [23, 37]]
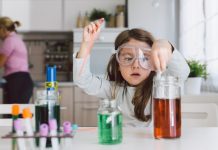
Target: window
[[198, 36]]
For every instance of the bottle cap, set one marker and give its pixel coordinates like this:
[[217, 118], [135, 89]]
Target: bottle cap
[[15, 109], [27, 113], [53, 124], [67, 127], [74, 126], [43, 129], [51, 74], [18, 125]]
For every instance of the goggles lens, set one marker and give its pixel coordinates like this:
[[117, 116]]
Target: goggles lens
[[126, 55]]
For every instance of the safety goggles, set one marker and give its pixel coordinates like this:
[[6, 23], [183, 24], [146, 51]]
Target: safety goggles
[[127, 54]]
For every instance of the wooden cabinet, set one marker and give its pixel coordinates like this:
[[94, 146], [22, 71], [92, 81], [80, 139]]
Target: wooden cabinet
[[86, 107], [66, 103], [42, 15]]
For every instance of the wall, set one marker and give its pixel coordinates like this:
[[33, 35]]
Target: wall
[[161, 21]]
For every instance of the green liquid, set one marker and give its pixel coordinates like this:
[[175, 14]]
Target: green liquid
[[42, 116], [110, 128]]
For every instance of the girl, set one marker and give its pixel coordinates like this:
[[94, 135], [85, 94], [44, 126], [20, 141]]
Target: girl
[[14, 59], [130, 70]]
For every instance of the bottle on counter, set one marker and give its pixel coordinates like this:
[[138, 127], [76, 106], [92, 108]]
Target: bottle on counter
[[109, 123], [79, 21], [86, 20], [166, 107], [120, 22]]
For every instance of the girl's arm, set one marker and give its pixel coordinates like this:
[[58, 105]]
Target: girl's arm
[[91, 84], [168, 61]]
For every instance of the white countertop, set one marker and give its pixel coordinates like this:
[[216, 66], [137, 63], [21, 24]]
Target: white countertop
[[141, 139]]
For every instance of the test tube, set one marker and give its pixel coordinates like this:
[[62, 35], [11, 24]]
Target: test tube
[[67, 131], [19, 132], [27, 115], [53, 132], [43, 133], [15, 114]]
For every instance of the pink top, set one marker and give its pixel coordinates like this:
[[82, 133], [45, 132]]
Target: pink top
[[15, 50]]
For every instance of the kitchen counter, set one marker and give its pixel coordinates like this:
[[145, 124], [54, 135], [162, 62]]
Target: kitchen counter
[[140, 139]]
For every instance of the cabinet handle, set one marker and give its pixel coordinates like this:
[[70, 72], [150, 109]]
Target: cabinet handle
[[90, 108], [63, 108]]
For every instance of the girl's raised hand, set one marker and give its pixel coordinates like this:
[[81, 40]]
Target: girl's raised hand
[[91, 32], [161, 53]]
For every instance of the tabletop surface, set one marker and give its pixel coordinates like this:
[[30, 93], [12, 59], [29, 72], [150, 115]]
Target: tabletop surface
[[139, 138]]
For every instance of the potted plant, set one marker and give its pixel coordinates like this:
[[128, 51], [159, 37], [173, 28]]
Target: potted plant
[[98, 14], [197, 72]]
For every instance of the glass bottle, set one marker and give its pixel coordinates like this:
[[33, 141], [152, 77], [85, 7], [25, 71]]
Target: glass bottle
[[109, 123], [167, 107], [47, 107]]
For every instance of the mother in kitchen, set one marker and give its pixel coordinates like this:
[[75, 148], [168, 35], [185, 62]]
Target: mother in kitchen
[[14, 59]]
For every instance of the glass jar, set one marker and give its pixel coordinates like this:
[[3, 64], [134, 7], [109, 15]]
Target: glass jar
[[46, 107], [109, 122], [167, 107]]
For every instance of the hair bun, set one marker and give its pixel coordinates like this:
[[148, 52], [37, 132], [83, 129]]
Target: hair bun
[[17, 23]]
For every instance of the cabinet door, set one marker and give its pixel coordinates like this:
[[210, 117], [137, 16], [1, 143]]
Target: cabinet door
[[66, 103], [35, 15], [86, 107]]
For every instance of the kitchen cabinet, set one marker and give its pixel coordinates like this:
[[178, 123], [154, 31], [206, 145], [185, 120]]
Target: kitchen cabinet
[[41, 15], [72, 8], [86, 107]]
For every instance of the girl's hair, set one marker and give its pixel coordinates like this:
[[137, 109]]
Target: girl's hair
[[144, 89], [8, 25]]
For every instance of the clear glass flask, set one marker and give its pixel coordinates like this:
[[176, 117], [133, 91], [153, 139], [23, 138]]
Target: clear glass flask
[[47, 107], [109, 123], [166, 107]]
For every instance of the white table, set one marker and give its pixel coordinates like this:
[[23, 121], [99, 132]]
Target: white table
[[140, 139]]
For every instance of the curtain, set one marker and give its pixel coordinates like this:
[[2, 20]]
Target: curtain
[[198, 36]]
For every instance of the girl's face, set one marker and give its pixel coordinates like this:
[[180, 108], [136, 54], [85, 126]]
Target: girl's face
[[134, 73]]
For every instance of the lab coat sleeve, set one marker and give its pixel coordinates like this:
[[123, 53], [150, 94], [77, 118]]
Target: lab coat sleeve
[[178, 66], [90, 83]]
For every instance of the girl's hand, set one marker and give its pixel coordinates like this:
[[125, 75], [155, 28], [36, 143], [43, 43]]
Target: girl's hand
[[90, 34], [161, 53]]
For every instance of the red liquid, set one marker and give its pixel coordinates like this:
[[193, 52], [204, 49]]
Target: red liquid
[[167, 118]]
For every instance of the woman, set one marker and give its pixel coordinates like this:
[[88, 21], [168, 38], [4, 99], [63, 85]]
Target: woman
[[14, 59], [130, 71]]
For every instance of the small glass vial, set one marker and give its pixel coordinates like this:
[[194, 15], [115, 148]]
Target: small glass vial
[[109, 123], [167, 107]]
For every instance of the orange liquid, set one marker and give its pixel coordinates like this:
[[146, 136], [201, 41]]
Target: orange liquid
[[167, 118]]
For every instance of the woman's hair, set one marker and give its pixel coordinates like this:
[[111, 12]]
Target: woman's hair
[[8, 25], [144, 89]]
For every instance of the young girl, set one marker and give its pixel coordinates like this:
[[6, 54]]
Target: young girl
[[130, 71]]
